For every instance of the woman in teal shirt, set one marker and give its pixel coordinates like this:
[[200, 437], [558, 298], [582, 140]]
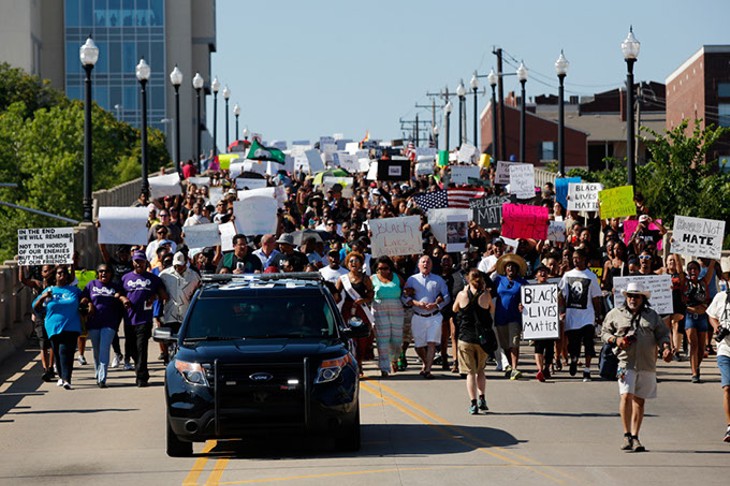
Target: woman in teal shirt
[[63, 322], [388, 313]]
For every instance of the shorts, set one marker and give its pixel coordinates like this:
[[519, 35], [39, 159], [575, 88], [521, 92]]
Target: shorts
[[472, 358], [508, 335], [723, 362], [40, 332], [696, 321], [426, 330], [639, 383], [583, 336]]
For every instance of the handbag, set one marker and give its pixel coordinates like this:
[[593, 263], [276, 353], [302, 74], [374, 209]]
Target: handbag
[[608, 363]]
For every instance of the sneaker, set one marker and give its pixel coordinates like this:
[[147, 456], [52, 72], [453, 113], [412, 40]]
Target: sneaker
[[116, 360], [128, 366], [637, 445], [473, 409], [47, 376], [515, 375], [59, 382], [482, 404], [586, 376], [628, 443], [498, 366], [82, 359], [508, 371], [67, 386], [573, 368], [546, 373], [540, 376], [101, 384], [696, 379], [142, 384], [727, 435]]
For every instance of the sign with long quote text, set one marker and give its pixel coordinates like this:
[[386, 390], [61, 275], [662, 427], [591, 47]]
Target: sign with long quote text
[[45, 246]]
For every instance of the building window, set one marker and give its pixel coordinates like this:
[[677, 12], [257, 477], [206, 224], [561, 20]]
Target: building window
[[547, 151], [723, 114], [723, 90]]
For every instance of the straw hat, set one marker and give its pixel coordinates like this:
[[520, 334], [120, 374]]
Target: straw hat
[[636, 288], [511, 258]]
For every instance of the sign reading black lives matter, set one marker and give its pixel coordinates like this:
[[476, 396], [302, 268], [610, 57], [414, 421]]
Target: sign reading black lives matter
[[488, 210], [45, 246], [698, 237], [540, 311]]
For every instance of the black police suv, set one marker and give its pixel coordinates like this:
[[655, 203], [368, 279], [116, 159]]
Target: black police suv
[[261, 354]]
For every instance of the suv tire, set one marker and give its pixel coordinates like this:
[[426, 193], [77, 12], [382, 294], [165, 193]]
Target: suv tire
[[349, 440], [175, 446]]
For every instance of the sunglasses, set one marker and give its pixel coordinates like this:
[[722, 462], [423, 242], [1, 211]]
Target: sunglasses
[[644, 257], [384, 269]]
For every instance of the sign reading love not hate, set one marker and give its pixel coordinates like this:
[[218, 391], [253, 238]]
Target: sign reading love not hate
[[583, 196], [697, 236], [396, 236], [524, 221]]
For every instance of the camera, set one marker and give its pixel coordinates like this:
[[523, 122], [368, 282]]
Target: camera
[[722, 333], [630, 337]]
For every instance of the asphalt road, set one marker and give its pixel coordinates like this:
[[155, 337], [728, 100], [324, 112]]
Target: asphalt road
[[414, 432]]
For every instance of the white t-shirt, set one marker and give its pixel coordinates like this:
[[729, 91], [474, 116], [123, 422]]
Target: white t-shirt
[[579, 288], [720, 309], [486, 263], [331, 275]]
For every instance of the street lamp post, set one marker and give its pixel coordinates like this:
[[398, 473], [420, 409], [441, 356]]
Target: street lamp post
[[245, 133], [143, 75], [226, 96], [215, 86], [461, 93], [197, 85], [435, 131], [630, 48], [89, 54], [561, 69], [447, 110], [474, 83], [236, 112], [176, 78], [492, 78], [522, 76]]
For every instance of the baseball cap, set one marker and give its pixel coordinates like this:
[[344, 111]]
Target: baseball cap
[[139, 255], [179, 259]]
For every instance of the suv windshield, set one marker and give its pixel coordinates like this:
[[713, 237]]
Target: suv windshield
[[253, 317]]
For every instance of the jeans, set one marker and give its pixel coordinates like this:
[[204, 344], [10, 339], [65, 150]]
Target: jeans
[[136, 341], [64, 348], [101, 340]]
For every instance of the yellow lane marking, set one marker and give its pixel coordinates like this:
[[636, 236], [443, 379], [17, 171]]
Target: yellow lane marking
[[192, 478], [215, 475], [368, 405], [520, 461], [337, 474]]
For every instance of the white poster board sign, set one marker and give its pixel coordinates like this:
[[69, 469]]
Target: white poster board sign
[[227, 231], [697, 236], [236, 168], [45, 246], [253, 166], [348, 162], [424, 168], [198, 181], [501, 176], [457, 232], [123, 225], [460, 173], [255, 215], [522, 180], [202, 235], [556, 231], [437, 219], [659, 285], [244, 183], [165, 185], [583, 196], [315, 161], [396, 236], [466, 153], [372, 171], [215, 194], [540, 312]]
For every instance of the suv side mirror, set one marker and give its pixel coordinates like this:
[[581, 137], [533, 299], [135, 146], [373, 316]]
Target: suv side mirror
[[163, 335], [356, 328]]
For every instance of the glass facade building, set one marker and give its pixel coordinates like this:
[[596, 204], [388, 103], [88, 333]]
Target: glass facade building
[[125, 31]]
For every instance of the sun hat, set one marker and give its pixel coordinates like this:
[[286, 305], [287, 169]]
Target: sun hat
[[286, 239], [511, 258], [636, 288]]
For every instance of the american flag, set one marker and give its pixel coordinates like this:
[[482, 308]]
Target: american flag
[[459, 198], [410, 151], [433, 200]]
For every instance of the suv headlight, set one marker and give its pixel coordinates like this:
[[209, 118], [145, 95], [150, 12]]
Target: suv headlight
[[192, 373], [330, 369]]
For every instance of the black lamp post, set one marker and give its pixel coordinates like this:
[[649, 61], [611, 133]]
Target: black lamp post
[[493, 78], [474, 83], [236, 112], [522, 76], [197, 86], [143, 75], [215, 85], [461, 93], [88, 54], [447, 110], [176, 78], [226, 96], [561, 69], [630, 49]]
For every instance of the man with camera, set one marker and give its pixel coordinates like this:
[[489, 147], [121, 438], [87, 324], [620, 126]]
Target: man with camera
[[636, 330], [719, 315]]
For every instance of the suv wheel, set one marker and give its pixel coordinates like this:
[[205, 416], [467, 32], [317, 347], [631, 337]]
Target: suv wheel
[[175, 446], [349, 440]]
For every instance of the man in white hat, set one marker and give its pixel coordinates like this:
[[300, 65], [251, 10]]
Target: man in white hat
[[636, 330], [719, 315], [181, 284]]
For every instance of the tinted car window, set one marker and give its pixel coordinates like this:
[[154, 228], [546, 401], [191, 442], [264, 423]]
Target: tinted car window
[[261, 317]]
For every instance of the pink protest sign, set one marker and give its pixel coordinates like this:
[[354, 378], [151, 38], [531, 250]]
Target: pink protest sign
[[630, 227], [524, 221]]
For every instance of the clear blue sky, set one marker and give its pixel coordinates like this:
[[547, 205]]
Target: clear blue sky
[[302, 69]]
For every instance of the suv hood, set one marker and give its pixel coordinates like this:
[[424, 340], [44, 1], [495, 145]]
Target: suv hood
[[269, 350]]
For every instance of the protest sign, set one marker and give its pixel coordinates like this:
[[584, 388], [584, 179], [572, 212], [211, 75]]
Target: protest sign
[[255, 215], [396, 236], [583, 196], [424, 168], [697, 236], [540, 312], [315, 161], [364, 164], [617, 202], [561, 189], [349, 162], [660, 287], [45, 246], [198, 181], [460, 174], [501, 176], [478, 182], [202, 235], [524, 221], [556, 231], [244, 183], [251, 166], [487, 211], [372, 171], [123, 225], [630, 228], [437, 218], [227, 231], [457, 232], [466, 153], [397, 169], [215, 194], [165, 185], [522, 180], [225, 160]]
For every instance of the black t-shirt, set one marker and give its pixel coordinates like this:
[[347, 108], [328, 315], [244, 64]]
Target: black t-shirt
[[120, 269], [297, 259]]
